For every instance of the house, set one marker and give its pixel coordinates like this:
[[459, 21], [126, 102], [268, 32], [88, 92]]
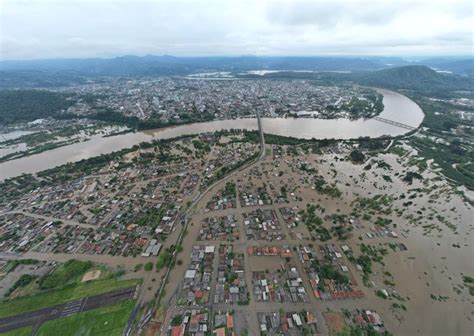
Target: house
[[190, 274], [177, 331], [220, 332], [230, 321], [297, 320]]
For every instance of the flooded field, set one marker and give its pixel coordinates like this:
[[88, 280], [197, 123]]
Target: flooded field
[[416, 234], [13, 135], [432, 223]]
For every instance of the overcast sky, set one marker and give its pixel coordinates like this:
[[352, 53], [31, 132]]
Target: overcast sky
[[97, 28]]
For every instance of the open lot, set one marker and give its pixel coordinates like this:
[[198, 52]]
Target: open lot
[[109, 320], [30, 303]]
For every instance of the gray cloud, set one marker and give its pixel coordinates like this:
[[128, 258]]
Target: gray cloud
[[326, 14], [106, 28]]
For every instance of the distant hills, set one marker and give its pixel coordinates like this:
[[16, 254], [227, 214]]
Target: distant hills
[[410, 77], [463, 67], [414, 77], [171, 65], [390, 72]]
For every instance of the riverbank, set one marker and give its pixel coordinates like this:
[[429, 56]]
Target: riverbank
[[398, 108]]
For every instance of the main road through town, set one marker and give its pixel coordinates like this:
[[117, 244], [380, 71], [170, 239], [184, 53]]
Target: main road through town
[[184, 216]]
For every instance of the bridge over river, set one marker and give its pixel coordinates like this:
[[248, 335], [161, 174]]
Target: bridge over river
[[395, 123]]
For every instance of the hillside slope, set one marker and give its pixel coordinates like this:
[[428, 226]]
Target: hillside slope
[[414, 77]]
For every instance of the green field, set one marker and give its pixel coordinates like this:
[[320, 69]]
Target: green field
[[26, 331], [34, 302], [108, 320]]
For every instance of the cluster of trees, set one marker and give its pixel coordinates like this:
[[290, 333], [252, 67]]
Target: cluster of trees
[[411, 77], [201, 146], [34, 79], [327, 271], [230, 189], [414, 77], [314, 223], [28, 105], [24, 281], [453, 158], [357, 156], [410, 176], [325, 188], [151, 217], [362, 108]]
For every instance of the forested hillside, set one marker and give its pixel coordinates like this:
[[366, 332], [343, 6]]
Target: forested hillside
[[28, 105]]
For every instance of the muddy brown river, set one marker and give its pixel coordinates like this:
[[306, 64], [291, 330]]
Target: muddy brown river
[[397, 108]]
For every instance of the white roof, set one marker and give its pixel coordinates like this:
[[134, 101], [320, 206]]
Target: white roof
[[297, 319], [190, 274], [209, 249]]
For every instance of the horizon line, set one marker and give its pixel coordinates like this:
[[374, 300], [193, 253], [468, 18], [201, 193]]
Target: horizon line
[[465, 56]]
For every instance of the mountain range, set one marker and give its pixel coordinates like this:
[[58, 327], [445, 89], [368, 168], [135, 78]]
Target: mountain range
[[430, 75], [171, 65]]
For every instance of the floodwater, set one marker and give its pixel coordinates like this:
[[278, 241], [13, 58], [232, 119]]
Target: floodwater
[[13, 135], [397, 108]]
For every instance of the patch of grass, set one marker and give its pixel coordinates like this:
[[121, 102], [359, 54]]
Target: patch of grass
[[67, 273], [34, 302], [26, 331], [108, 320]]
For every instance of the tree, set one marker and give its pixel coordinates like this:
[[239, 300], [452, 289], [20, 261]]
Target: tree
[[148, 266], [357, 156]]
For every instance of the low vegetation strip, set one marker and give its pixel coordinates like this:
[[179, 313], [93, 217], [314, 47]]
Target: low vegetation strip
[[19, 332], [109, 320], [43, 300]]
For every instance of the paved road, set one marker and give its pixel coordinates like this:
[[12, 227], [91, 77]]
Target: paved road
[[38, 317], [197, 199]]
